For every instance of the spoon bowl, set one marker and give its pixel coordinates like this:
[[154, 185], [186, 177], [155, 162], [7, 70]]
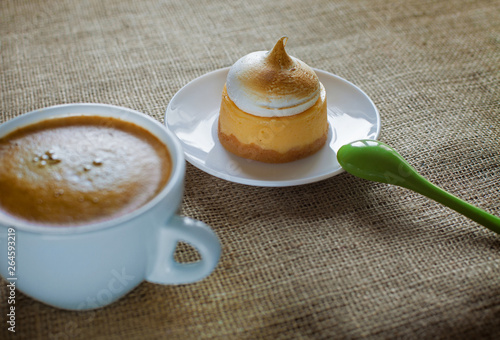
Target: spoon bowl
[[376, 161]]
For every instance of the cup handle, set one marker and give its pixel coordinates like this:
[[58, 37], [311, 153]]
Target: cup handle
[[163, 267]]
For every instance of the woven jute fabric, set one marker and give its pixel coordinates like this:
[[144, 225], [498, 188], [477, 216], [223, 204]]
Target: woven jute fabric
[[340, 258]]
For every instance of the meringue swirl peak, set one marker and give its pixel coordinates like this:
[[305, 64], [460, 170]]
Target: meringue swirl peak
[[273, 83]]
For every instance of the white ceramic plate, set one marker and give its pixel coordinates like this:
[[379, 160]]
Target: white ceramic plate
[[192, 116]]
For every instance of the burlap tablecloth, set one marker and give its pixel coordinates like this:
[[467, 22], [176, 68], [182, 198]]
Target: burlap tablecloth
[[340, 258]]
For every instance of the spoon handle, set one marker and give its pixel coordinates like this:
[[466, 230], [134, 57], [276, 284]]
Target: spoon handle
[[476, 214]]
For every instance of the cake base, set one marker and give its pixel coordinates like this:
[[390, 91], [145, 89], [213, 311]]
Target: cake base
[[257, 153]]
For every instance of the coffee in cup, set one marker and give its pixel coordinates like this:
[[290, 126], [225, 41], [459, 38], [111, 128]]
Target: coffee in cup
[[80, 169]]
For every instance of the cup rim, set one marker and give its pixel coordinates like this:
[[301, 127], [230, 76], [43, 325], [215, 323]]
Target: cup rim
[[105, 110]]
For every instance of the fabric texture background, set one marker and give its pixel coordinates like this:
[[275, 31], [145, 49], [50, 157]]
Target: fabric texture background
[[340, 258]]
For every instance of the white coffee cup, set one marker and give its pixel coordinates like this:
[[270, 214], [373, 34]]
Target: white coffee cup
[[90, 266]]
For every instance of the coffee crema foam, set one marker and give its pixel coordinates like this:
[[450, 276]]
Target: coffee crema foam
[[80, 169]]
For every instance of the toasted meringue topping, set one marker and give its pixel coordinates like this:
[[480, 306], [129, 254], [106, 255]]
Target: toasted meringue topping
[[272, 83]]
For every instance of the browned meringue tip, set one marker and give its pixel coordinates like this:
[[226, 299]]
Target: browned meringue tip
[[278, 56]]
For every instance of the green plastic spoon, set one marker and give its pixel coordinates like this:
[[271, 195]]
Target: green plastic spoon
[[376, 161]]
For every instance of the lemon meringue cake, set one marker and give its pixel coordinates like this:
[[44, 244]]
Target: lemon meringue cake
[[273, 108]]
